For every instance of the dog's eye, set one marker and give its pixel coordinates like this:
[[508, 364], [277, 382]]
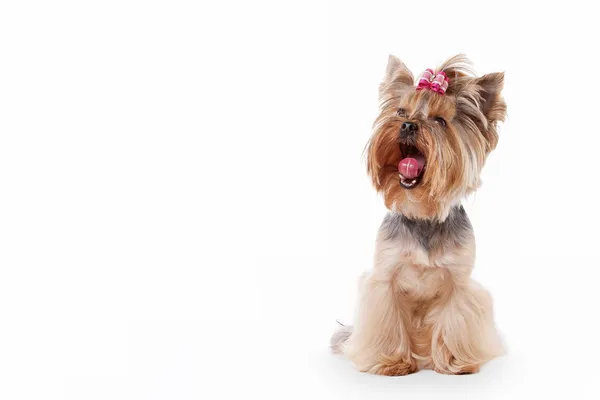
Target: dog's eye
[[440, 121], [401, 112]]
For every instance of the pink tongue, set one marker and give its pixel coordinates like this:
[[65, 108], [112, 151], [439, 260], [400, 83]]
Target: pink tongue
[[410, 167]]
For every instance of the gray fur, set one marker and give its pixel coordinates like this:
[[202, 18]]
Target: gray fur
[[453, 231], [339, 338]]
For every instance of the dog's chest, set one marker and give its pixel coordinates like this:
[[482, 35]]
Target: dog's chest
[[426, 243]]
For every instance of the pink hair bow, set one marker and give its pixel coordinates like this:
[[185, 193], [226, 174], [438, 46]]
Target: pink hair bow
[[435, 82]]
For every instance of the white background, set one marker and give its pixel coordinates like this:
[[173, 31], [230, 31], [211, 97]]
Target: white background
[[184, 210]]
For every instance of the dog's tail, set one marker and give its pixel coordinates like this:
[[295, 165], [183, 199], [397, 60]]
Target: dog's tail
[[339, 338]]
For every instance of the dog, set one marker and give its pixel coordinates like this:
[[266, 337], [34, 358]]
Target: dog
[[418, 307]]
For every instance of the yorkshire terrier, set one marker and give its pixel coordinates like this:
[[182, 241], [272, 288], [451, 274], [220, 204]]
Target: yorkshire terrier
[[418, 307]]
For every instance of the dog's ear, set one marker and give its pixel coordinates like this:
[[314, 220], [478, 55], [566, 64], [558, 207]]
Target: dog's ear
[[396, 75], [492, 104], [480, 99]]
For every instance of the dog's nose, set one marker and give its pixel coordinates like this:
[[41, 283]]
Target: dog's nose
[[408, 127], [408, 131]]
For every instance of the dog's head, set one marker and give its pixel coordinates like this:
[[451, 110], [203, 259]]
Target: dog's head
[[431, 141]]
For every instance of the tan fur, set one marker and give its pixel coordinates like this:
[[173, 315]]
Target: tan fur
[[418, 307], [455, 155]]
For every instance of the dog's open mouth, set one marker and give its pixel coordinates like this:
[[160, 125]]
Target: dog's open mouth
[[411, 167]]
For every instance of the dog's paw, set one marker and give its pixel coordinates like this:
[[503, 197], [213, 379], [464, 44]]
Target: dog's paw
[[453, 369], [399, 368]]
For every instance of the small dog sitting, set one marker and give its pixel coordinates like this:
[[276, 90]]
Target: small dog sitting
[[418, 307]]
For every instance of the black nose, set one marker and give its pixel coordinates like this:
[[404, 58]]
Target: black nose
[[408, 127], [408, 131]]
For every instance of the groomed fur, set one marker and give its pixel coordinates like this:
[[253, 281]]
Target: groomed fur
[[418, 307], [455, 153]]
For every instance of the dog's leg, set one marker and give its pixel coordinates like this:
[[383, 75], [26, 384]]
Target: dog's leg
[[379, 343], [463, 332]]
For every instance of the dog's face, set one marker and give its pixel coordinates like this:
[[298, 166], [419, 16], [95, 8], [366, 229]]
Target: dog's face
[[428, 149]]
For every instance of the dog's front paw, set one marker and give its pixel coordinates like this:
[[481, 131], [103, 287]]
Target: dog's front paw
[[399, 368], [454, 369]]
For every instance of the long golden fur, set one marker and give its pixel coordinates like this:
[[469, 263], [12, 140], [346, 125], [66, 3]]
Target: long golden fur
[[418, 307]]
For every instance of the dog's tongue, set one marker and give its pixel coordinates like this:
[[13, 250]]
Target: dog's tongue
[[411, 167]]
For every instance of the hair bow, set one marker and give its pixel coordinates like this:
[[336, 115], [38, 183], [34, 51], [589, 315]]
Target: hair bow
[[435, 82]]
